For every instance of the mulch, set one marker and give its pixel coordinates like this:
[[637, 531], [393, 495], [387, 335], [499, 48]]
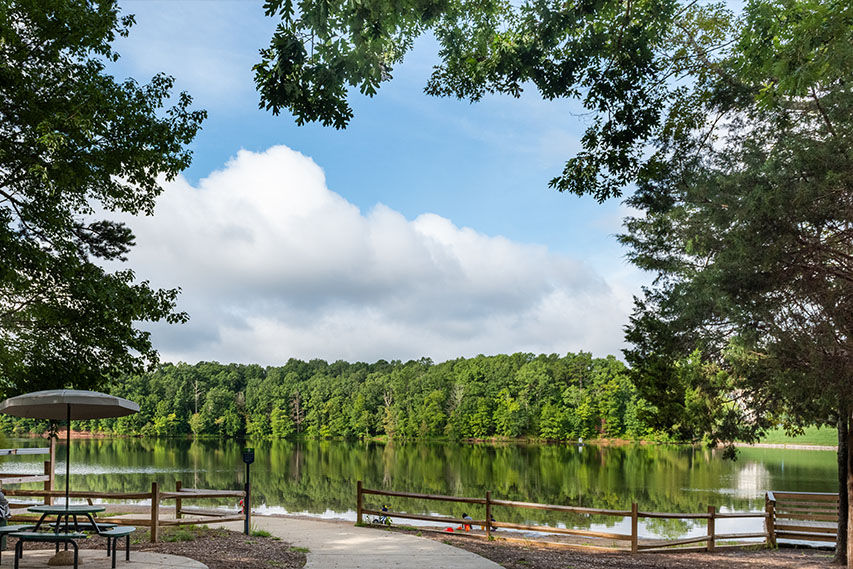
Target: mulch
[[224, 549], [530, 555]]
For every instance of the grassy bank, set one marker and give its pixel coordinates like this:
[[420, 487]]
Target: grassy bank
[[812, 436]]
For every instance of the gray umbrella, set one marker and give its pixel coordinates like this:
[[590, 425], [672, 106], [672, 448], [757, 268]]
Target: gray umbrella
[[68, 404]]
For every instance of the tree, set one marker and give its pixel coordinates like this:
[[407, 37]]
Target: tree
[[750, 229], [282, 425], [75, 146]]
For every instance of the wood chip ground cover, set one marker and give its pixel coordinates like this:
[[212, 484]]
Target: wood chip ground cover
[[514, 555]]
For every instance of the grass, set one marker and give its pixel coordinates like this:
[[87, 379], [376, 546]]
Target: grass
[[300, 549], [256, 532], [178, 534], [173, 534], [812, 436]]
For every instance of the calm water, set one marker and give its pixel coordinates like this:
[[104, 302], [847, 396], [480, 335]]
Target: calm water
[[319, 477]]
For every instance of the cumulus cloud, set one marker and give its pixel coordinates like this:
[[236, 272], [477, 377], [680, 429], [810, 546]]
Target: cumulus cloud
[[274, 265]]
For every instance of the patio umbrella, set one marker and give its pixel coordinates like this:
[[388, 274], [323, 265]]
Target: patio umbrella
[[68, 404]]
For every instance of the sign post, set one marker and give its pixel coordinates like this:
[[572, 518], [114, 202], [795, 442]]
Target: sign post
[[248, 458]]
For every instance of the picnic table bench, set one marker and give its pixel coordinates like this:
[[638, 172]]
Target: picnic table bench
[[113, 535], [49, 537], [6, 530]]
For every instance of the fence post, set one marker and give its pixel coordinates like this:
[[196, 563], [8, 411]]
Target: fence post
[[155, 511], [358, 504], [178, 501], [48, 484], [50, 470], [635, 536], [712, 514], [770, 518], [488, 514]]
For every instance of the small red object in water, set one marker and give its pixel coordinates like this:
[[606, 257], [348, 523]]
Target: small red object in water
[[449, 529]]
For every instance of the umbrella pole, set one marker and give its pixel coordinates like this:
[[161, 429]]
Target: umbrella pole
[[67, 464]]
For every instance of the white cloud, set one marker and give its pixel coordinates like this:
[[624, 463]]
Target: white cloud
[[274, 265]]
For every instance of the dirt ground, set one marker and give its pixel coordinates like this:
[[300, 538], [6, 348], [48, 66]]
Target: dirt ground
[[529, 555], [223, 549]]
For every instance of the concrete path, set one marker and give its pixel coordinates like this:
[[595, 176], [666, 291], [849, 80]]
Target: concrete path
[[97, 559], [341, 545]]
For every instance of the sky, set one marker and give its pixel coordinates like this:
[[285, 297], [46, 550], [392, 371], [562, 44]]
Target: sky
[[425, 229]]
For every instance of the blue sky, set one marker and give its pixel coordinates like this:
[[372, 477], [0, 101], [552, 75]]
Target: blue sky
[[496, 261]]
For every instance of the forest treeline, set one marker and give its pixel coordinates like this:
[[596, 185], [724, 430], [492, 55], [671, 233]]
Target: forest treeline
[[518, 395]]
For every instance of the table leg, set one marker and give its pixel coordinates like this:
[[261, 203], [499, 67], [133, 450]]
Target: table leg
[[94, 523], [19, 551], [38, 523]]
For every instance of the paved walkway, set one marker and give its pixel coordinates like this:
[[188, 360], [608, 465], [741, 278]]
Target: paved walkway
[[341, 545], [97, 559]]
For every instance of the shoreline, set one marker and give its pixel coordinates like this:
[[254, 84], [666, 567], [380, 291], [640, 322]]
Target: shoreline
[[494, 441], [788, 446]]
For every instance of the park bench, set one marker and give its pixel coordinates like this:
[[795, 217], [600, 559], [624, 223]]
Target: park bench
[[56, 538], [113, 535]]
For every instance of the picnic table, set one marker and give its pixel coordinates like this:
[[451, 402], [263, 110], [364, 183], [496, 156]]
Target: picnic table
[[70, 511], [71, 532]]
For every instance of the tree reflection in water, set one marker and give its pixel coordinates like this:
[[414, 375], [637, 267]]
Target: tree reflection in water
[[317, 476]]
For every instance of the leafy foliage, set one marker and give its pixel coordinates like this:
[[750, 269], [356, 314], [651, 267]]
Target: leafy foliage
[[609, 54], [750, 227], [74, 145], [504, 396]]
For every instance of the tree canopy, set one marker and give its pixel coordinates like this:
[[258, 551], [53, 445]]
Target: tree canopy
[[76, 145], [517, 395], [749, 227], [607, 53]]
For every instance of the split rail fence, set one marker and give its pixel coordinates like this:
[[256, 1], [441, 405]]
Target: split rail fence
[[156, 496], [803, 516], [781, 508]]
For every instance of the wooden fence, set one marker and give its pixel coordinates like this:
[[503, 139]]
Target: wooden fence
[[16, 478], [780, 509], [156, 496], [803, 516]]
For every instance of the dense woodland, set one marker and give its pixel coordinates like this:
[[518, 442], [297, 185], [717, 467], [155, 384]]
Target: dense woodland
[[519, 395]]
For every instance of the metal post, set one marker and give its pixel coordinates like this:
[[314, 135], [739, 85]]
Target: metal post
[[67, 465], [50, 465], [247, 504]]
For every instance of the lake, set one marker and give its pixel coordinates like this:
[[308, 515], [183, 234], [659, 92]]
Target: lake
[[318, 477]]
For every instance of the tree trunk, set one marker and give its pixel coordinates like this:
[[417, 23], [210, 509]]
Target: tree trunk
[[849, 492], [843, 458]]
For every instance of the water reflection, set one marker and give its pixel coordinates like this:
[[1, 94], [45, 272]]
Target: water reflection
[[318, 477]]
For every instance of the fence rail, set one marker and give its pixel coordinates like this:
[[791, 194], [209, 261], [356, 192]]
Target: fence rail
[[775, 524], [154, 520], [802, 516]]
